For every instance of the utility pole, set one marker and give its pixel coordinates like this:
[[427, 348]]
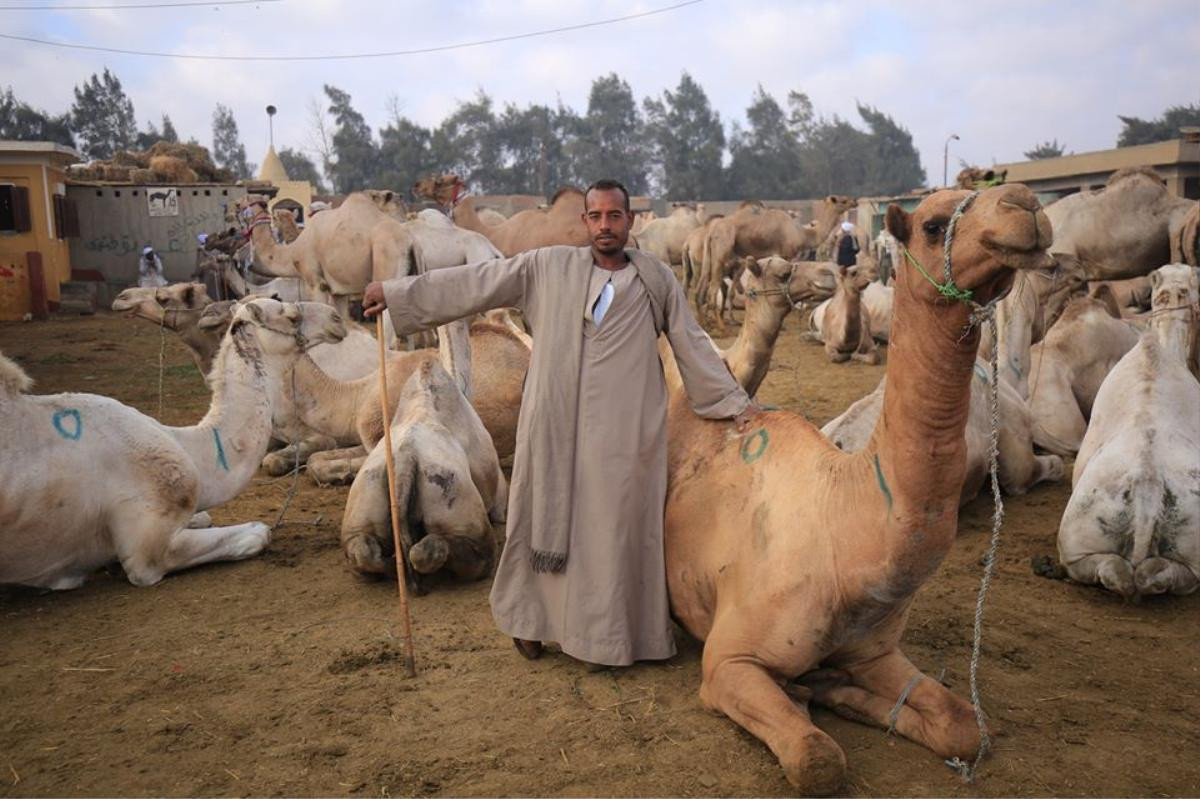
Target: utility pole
[[946, 157], [271, 123]]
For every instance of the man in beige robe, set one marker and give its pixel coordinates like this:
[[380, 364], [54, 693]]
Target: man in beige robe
[[583, 562]]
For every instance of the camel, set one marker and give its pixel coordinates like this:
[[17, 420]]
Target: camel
[[759, 232], [443, 190], [773, 286], [176, 307], [202, 323], [843, 322], [1070, 365], [561, 223], [878, 299], [640, 220], [691, 255], [491, 217], [1123, 230], [1132, 295], [284, 289], [146, 480], [664, 237], [794, 561], [1133, 521], [448, 480], [285, 224], [349, 410], [1185, 238], [339, 251], [974, 177]]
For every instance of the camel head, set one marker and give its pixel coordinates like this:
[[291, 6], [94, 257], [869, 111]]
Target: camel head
[[1003, 228], [840, 202], [288, 328], [388, 201], [169, 306], [806, 281], [217, 316], [1175, 308], [853, 279], [441, 189]]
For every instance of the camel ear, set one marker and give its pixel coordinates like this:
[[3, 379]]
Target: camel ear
[[189, 294], [898, 223], [1104, 294], [387, 197], [1155, 279], [256, 312], [755, 266]]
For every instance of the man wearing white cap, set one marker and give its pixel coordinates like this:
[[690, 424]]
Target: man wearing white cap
[[150, 269], [847, 248]]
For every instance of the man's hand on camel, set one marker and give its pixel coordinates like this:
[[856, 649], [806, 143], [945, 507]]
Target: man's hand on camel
[[743, 419], [373, 301]]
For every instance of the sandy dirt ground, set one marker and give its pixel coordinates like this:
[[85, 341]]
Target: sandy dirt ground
[[283, 675]]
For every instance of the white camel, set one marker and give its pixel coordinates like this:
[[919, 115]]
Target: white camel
[[88, 480], [1070, 365], [1133, 521], [447, 481]]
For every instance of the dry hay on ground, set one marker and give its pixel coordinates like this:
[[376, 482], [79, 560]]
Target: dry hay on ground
[[284, 675]]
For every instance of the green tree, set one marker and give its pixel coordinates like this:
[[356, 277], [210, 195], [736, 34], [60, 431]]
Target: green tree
[[892, 164], [355, 156], [404, 153], [1164, 128], [22, 122], [687, 143], [102, 116], [168, 130], [228, 151], [533, 143], [610, 139], [1047, 149], [148, 137], [300, 167], [765, 157], [467, 144]]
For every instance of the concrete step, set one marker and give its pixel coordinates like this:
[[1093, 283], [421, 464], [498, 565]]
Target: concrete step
[[78, 297]]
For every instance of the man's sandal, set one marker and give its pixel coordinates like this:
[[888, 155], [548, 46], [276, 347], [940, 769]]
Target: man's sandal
[[530, 650]]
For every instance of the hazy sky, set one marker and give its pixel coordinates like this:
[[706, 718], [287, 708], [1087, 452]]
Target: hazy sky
[[1003, 75]]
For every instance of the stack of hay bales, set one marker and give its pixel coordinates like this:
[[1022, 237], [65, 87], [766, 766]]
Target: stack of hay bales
[[165, 162]]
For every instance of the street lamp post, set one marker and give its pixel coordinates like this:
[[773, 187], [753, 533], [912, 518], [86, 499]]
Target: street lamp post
[[946, 156], [271, 123]]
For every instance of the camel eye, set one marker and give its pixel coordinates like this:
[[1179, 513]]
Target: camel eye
[[933, 228]]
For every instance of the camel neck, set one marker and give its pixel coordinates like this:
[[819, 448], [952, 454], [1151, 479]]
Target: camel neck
[[750, 354], [919, 443], [228, 444], [325, 403]]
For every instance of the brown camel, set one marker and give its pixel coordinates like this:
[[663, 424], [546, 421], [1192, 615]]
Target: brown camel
[[1185, 238], [285, 223], [843, 322], [759, 232], [443, 190], [561, 223], [691, 256], [176, 307], [796, 562]]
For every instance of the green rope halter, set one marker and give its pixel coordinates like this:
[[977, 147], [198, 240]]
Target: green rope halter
[[947, 288]]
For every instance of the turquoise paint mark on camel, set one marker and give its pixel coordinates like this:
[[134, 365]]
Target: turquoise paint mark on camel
[[68, 418], [220, 450], [751, 455], [883, 486]]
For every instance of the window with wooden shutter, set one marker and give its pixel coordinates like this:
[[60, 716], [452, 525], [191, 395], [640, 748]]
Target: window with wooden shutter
[[8, 219], [22, 223], [70, 218]]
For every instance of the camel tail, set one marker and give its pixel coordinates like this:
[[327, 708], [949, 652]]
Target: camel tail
[[13, 380], [1152, 503]]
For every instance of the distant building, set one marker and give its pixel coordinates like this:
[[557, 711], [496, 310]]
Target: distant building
[[294, 195], [1177, 160], [36, 220]]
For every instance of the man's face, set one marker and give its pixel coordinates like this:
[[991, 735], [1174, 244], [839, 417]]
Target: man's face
[[607, 221]]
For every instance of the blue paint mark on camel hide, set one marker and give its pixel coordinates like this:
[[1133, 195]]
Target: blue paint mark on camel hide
[[883, 486], [760, 436], [220, 450], [68, 418]]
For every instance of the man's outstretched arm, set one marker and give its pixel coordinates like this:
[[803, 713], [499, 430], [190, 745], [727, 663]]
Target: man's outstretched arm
[[443, 295]]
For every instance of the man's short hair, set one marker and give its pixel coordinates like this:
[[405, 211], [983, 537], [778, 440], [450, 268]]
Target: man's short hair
[[607, 184]]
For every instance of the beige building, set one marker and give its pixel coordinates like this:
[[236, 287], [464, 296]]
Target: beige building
[[294, 195], [1177, 160]]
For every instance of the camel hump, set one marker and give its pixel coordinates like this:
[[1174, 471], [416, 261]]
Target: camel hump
[[1133, 171], [13, 380], [565, 191], [1103, 294]]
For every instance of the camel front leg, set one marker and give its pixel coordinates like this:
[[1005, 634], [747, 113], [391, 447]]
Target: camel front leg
[[931, 715], [1162, 576], [336, 466], [744, 691], [153, 555]]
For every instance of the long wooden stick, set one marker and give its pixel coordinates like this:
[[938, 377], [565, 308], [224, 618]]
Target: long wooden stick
[[409, 660]]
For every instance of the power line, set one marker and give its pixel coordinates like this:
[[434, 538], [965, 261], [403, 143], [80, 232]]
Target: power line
[[139, 5], [351, 56]]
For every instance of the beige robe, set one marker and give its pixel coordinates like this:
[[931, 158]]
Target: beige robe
[[609, 605]]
